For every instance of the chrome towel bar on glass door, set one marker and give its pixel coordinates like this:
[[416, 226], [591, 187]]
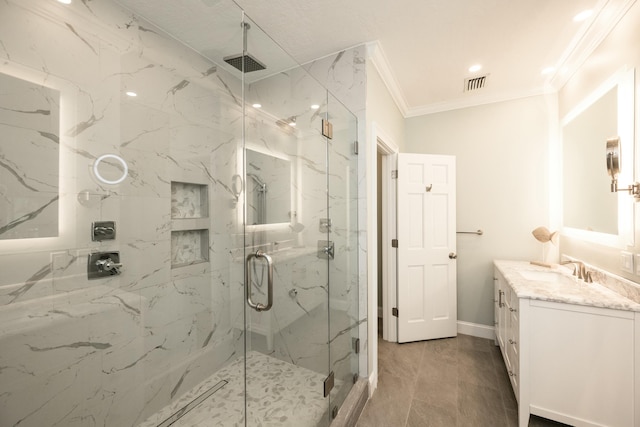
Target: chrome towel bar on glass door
[[259, 306], [478, 232]]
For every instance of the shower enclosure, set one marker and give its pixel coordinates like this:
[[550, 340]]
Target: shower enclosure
[[178, 221]]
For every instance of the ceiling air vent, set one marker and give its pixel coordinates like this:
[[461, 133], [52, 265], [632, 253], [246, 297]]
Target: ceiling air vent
[[474, 83]]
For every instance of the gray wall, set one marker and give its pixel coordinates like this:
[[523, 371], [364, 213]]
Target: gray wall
[[502, 152]]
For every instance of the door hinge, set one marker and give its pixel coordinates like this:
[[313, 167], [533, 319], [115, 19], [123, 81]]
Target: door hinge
[[355, 147], [327, 129], [394, 174], [394, 311], [356, 345], [328, 384], [394, 243]]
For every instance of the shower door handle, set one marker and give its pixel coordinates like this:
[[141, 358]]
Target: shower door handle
[[247, 274]]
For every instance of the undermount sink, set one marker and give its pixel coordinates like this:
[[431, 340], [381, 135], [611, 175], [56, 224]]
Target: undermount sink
[[545, 276]]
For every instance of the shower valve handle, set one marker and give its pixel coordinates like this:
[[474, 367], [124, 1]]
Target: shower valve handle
[[108, 265]]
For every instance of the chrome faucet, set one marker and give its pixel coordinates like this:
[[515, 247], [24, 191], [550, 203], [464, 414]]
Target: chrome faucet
[[579, 270]]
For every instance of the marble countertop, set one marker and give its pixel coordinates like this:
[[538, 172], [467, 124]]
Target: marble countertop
[[540, 283]]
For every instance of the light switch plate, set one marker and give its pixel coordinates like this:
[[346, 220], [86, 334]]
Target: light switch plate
[[637, 263], [626, 261]]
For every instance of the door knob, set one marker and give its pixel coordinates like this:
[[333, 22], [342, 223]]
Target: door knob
[[453, 255]]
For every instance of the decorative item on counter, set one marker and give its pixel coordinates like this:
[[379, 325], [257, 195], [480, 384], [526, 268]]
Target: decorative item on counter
[[543, 235]]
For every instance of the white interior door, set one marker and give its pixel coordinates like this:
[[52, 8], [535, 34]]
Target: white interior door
[[426, 247]]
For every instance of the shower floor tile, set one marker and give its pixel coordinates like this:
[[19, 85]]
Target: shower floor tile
[[278, 394]]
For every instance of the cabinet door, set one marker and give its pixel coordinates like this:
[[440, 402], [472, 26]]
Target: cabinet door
[[513, 341], [508, 327], [502, 318], [496, 307]]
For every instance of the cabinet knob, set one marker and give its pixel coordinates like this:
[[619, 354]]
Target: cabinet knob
[[512, 374], [511, 341], [512, 309]]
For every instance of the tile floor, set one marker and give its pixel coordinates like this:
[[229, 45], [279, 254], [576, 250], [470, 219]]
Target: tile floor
[[278, 394], [450, 382]]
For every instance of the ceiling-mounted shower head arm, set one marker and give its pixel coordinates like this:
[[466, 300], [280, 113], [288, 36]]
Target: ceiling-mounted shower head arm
[[245, 30]]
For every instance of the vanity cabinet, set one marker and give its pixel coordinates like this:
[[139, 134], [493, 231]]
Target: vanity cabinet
[[577, 364], [507, 327]]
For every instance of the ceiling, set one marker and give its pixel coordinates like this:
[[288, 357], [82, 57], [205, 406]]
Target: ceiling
[[424, 48]]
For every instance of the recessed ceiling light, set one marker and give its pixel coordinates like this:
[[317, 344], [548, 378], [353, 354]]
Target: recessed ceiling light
[[315, 106], [256, 105], [583, 15], [65, 1], [292, 121], [475, 68], [548, 70], [131, 93]]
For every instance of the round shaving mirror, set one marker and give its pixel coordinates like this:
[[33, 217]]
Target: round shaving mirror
[[613, 157]]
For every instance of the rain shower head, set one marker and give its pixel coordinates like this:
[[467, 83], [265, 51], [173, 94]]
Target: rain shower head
[[244, 62], [250, 63]]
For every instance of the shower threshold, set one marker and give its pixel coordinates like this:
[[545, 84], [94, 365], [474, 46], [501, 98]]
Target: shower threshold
[[278, 393]]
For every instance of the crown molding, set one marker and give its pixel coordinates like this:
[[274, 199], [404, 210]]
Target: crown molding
[[440, 107], [592, 34], [376, 54]]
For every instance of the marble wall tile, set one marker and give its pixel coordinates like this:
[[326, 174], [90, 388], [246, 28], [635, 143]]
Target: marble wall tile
[[25, 276], [142, 338], [29, 149]]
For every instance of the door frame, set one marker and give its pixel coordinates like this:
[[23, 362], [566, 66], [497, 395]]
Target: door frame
[[377, 138], [385, 145], [389, 231]]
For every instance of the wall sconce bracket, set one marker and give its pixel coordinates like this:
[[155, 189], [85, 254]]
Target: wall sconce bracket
[[633, 189]]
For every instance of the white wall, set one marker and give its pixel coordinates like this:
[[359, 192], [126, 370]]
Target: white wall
[[620, 49], [502, 152], [381, 108], [385, 122]]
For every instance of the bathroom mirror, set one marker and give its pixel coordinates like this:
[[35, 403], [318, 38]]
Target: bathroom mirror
[[590, 210], [29, 159], [268, 188]]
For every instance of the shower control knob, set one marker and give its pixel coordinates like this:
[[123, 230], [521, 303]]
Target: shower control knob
[[108, 265]]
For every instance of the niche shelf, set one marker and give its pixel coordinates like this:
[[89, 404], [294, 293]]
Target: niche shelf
[[189, 200], [189, 247], [189, 224]]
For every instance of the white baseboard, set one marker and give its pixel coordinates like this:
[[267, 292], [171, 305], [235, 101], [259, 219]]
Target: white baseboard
[[476, 330], [373, 383]]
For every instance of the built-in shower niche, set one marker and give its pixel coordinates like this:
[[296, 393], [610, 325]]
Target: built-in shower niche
[[189, 200], [189, 247], [189, 224]]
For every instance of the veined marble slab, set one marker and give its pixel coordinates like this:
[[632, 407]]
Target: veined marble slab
[[569, 291]]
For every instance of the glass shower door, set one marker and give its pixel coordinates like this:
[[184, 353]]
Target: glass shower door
[[287, 316]]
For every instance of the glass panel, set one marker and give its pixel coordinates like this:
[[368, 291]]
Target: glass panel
[[343, 269], [286, 186], [149, 149], [158, 158]]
